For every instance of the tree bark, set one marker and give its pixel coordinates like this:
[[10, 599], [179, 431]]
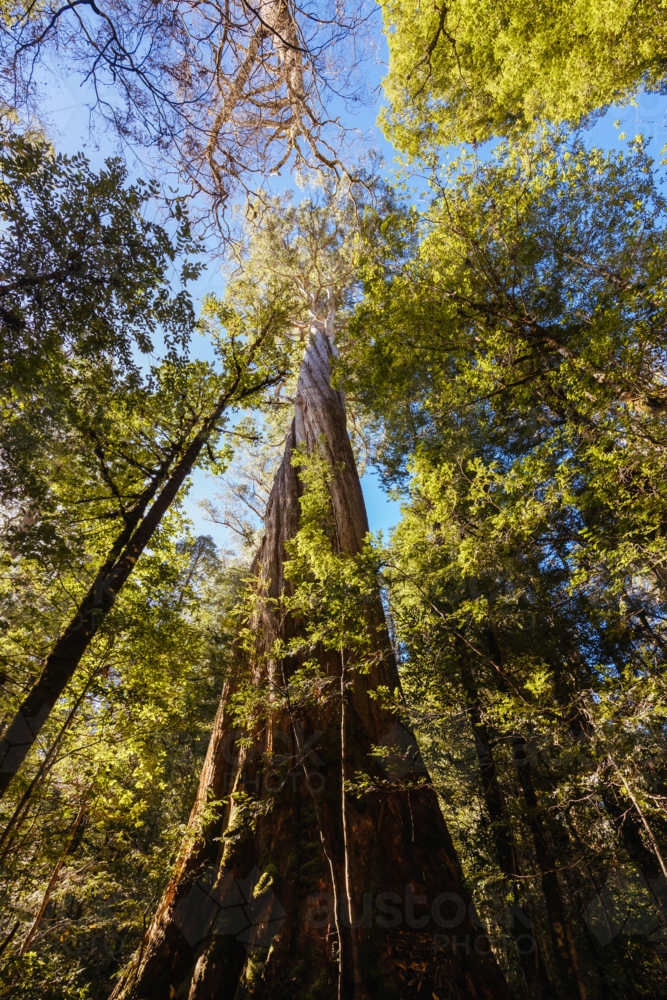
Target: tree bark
[[256, 908]]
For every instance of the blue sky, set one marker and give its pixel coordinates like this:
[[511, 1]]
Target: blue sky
[[70, 118]]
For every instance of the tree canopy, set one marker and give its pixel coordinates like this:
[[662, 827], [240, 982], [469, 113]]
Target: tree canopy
[[466, 71], [472, 707]]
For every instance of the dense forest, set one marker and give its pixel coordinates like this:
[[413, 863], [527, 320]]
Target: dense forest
[[317, 762]]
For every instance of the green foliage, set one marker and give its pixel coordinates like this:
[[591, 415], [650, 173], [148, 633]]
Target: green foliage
[[85, 286], [306, 253], [88, 438], [332, 589], [84, 273], [506, 361], [511, 350], [132, 754], [535, 305], [466, 71]]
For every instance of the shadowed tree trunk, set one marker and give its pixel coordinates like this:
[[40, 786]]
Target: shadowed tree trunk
[[563, 943], [520, 925], [630, 830], [295, 888]]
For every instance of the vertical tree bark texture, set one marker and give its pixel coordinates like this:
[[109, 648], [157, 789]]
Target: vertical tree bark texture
[[257, 905]]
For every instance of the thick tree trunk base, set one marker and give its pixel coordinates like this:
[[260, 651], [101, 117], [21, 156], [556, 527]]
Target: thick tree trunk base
[[257, 907], [223, 937]]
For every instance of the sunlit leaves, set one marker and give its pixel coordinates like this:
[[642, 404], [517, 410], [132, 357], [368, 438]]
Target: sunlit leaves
[[466, 71]]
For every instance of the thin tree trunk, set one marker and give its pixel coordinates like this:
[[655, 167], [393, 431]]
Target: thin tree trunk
[[9, 938], [594, 945], [628, 825], [19, 815], [66, 655], [568, 965], [642, 816], [252, 905], [359, 992], [54, 878], [531, 961]]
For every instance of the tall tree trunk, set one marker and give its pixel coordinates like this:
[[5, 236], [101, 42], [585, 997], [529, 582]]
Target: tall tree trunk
[[297, 888], [564, 945], [521, 925], [63, 660]]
